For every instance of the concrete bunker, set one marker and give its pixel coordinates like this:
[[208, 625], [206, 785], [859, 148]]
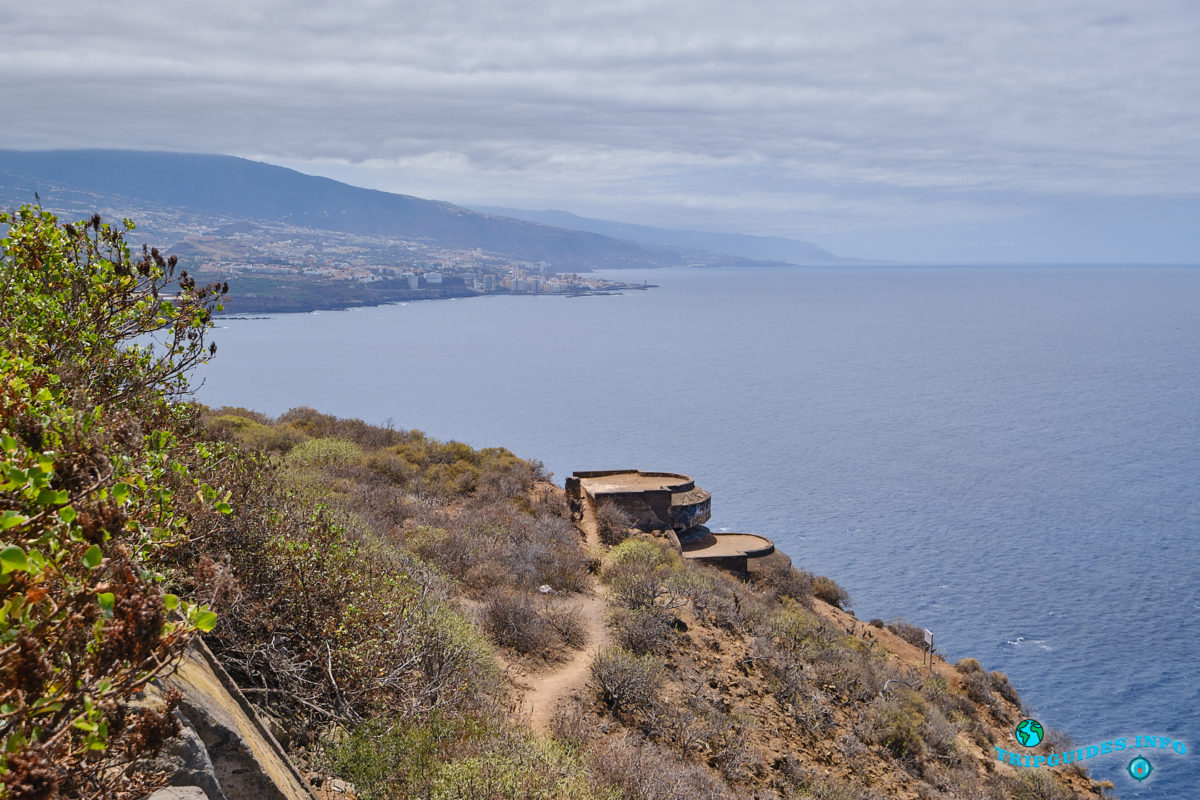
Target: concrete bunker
[[653, 500], [670, 502]]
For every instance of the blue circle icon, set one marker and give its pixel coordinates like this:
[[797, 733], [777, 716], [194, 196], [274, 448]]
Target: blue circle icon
[[1140, 768]]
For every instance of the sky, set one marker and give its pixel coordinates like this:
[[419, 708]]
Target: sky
[[925, 130]]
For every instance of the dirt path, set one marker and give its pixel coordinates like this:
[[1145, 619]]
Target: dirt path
[[546, 690]]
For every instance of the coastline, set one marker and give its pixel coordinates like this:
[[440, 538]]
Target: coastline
[[304, 300]]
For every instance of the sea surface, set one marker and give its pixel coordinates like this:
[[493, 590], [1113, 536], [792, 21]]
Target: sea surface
[[1008, 456]]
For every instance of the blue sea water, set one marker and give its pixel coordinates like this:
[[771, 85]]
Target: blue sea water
[[1007, 456]]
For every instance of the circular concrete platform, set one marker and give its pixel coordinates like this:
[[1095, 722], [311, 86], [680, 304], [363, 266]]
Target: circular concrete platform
[[726, 545]]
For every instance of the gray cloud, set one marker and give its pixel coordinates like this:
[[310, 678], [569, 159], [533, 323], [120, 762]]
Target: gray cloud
[[775, 117]]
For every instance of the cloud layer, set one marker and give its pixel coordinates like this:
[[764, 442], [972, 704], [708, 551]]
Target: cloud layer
[[790, 118]]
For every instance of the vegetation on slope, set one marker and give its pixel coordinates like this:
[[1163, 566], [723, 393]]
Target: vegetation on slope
[[385, 598], [96, 482]]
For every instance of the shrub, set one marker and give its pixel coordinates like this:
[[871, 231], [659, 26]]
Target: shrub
[[898, 724], [728, 741], [398, 760], [518, 768], [94, 477], [641, 631], [978, 687], [325, 453], [787, 581], [642, 572], [627, 684], [642, 771], [567, 622], [1003, 686], [612, 524], [512, 621], [907, 631], [826, 589], [1036, 784]]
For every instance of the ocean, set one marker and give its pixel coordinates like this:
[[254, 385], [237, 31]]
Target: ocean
[[1008, 456]]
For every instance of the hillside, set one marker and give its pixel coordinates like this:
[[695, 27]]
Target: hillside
[[182, 195], [408, 617]]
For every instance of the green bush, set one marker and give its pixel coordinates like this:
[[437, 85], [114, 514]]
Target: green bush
[[398, 760], [644, 572], [527, 768], [325, 453], [899, 723], [94, 479]]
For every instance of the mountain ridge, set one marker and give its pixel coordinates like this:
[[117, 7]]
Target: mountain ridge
[[228, 188], [762, 248]]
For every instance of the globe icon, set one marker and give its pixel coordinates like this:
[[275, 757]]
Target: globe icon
[[1030, 732]]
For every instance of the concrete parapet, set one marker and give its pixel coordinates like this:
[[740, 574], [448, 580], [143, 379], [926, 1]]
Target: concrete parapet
[[735, 552]]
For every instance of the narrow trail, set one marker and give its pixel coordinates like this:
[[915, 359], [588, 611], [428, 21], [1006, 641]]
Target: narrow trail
[[548, 689], [545, 691]]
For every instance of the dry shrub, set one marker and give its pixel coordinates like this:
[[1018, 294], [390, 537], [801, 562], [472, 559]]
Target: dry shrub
[[978, 687], [612, 524], [643, 771], [512, 621], [641, 631], [567, 623], [907, 631], [787, 581], [968, 665], [822, 789], [723, 601], [627, 684], [826, 589], [1036, 784], [729, 743], [572, 724], [645, 572], [1003, 687], [941, 736]]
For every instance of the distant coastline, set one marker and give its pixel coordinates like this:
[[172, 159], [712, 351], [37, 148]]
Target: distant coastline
[[256, 296]]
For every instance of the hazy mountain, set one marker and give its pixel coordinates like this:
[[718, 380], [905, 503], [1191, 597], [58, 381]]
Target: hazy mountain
[[224, 189], [762, 248]]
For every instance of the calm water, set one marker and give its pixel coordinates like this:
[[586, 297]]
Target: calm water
[[1008, 456]]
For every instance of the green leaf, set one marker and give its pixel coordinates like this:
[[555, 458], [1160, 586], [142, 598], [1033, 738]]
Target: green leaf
[[106, 601], [49, 497], [13, 558], [67, 514], [11, 519], [120, 493], [170, 601], [93, 557], [205, 620], [224, 507]]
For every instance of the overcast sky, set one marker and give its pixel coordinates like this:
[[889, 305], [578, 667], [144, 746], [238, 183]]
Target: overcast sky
[[930, 129]]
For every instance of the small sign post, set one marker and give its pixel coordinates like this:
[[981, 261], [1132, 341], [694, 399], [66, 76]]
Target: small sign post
[[928, 648]]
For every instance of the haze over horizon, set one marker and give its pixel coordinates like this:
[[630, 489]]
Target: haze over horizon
[[908, 131]]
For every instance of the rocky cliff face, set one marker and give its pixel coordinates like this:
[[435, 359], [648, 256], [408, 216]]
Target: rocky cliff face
[[224, 749]]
